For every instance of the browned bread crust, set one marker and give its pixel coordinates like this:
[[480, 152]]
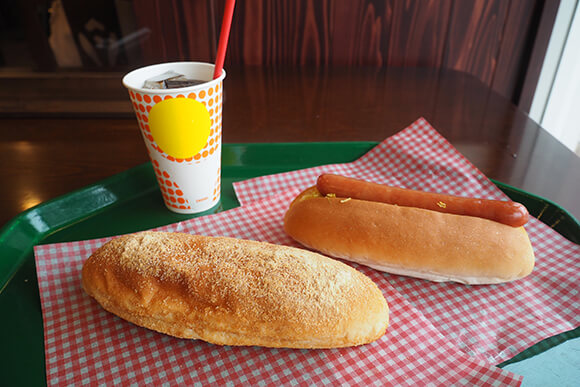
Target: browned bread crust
[[235, 292], [411, 241]]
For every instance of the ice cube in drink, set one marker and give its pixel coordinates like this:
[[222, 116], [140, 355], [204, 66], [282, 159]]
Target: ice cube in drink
[[170, 80]]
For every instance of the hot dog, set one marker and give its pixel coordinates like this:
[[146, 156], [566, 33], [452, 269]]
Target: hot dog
[[506, 212], [410, 241]]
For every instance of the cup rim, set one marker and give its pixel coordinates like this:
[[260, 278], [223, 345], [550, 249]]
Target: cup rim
[[177, 89]]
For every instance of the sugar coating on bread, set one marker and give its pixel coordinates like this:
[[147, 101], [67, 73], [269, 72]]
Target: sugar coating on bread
[[235, 292]]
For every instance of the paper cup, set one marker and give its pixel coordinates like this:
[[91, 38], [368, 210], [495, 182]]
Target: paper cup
[[182, 130]]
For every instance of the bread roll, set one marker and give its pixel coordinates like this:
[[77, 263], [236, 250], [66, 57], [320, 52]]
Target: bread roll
[[235, 292], [411, 241]]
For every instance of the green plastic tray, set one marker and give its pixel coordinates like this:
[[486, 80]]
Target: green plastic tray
[[130, 201]]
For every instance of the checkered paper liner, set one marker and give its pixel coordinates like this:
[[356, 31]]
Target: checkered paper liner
[[86, 345], [493, 322]]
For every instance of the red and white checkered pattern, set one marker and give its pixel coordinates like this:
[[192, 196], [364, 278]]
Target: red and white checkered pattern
[[86, 345], [492, 323]]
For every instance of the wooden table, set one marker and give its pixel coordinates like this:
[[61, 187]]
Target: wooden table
[[60, 133]]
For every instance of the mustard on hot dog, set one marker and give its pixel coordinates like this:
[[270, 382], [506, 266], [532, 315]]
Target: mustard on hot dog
[[507, 212]]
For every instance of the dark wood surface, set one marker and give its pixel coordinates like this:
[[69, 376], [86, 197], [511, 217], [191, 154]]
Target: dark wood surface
[[502, 43], [58, 137], [490, 39]]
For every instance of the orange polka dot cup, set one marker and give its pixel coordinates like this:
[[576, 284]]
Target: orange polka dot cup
[[182, 130]]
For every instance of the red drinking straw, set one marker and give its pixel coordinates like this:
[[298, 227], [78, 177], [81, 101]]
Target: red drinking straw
[[224, 35]]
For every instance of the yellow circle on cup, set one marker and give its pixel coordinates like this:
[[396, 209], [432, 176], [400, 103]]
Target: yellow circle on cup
[[180, 126]]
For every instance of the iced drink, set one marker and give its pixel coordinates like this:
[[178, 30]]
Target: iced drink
[[179, 110]]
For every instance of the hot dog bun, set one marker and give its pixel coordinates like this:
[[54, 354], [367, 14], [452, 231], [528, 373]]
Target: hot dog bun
[[235, 292], [411, 241]]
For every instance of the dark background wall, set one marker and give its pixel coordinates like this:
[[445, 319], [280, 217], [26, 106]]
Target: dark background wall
[[501, 42], [494, 40]]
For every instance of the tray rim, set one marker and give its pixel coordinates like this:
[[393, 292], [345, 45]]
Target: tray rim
[[23, 222], [26, 219]]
